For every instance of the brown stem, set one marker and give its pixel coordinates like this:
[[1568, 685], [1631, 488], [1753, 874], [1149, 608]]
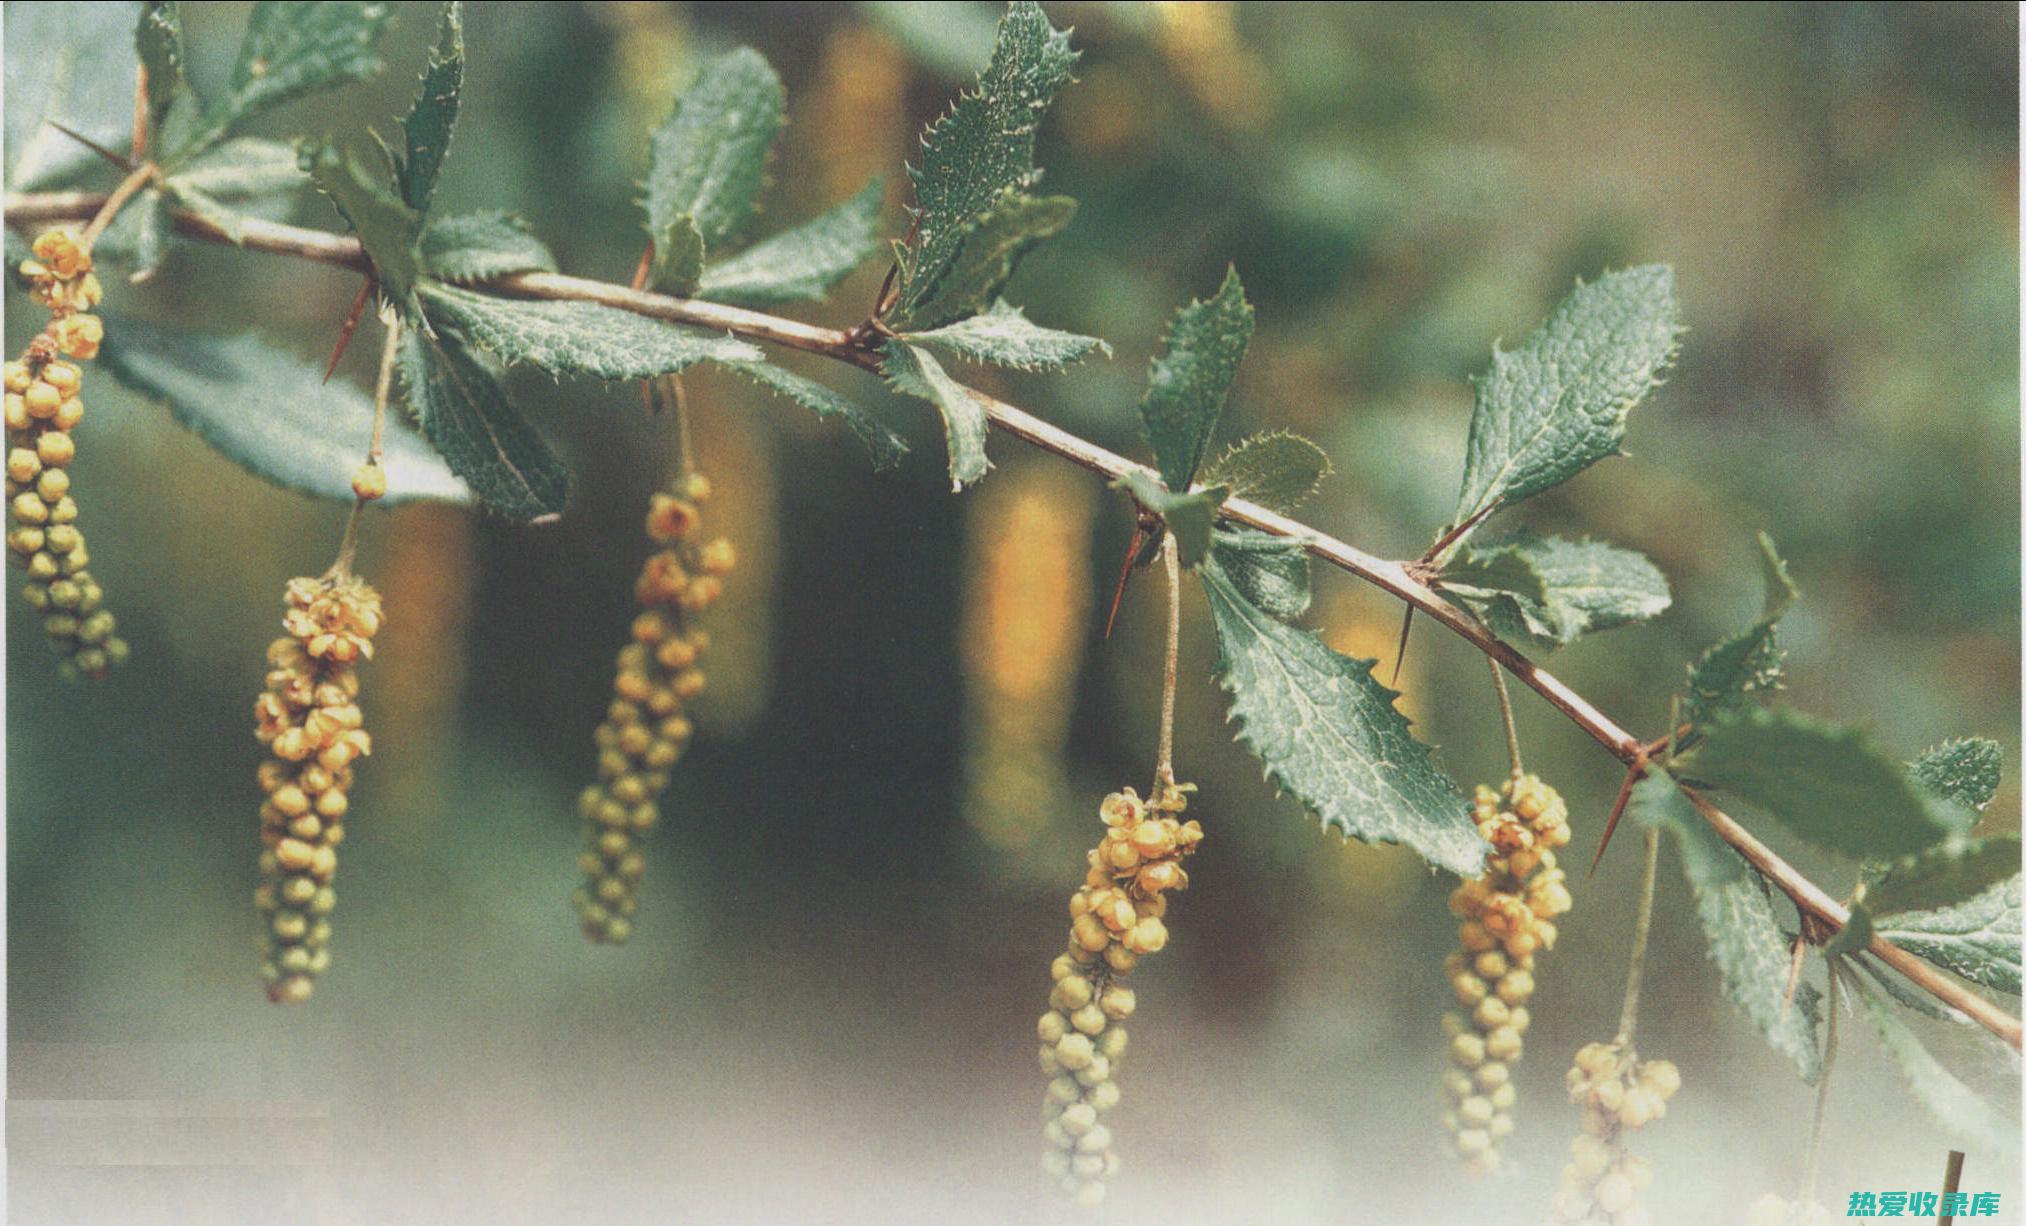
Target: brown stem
[[1952, 1182], [1391, 577], [110, 208]]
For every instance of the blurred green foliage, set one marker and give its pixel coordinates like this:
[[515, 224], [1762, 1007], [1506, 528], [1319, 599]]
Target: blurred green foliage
[[822, 938]]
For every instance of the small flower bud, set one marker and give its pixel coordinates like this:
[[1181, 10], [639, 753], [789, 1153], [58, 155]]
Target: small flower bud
[[369, 482]]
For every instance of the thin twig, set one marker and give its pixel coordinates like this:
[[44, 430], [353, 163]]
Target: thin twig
[[1952, 1182], [1512, 749], [1164, 769], [1642, 928], [383, 387], [140, 141], [136, 179], [1391, 577], [685, 445], [1811, 1162]]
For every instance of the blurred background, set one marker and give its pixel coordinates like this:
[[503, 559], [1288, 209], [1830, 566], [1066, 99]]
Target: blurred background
[[826, 1012]]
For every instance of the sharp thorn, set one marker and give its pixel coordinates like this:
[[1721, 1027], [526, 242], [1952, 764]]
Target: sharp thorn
[[1794, 974], [1118, 593], [351, 326], [117, 159], [1632, 774], [1406, 625]]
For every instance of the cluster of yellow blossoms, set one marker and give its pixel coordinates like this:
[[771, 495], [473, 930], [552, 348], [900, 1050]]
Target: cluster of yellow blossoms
[[645, 730], [1507, 917], [1116, 917], [43, 404], [1617, 1092], [309, 719]]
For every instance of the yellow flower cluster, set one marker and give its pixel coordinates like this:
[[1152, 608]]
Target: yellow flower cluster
[[1507, 917], [1116, 916], [1617, 1092], [43, 405], [61, 279], [645, 730], [309, 719]]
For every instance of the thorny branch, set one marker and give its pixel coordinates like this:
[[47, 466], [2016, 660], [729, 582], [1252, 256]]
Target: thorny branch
[[1398, 579]]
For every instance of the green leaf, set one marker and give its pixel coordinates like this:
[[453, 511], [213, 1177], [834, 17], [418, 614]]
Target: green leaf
[[678, 259], [1548, 592], [803, 263], [1271, 572], [915, 372], [16, 248], [984, 254], [1753, 955], [1746, 663], [1188, 517], [709, 157], [1967, 771], [1825, 782], [1745, 940], [433, 118], [1276, 469], [231, 222], [1656, 803], [1977, 939], [1954, 1105], [295, 47], [1853, 937], [271, 412], [1328, 732], [1558, 403], [159, 41], [67, 63], [478, 246], [887, 447], [387, 228], [1909, 996], [577, 338], [983, 145], [1005, 336], [1950, 872], [1188, 380], [1484, 573], [467, 419], [240, 169], [137, 238]]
